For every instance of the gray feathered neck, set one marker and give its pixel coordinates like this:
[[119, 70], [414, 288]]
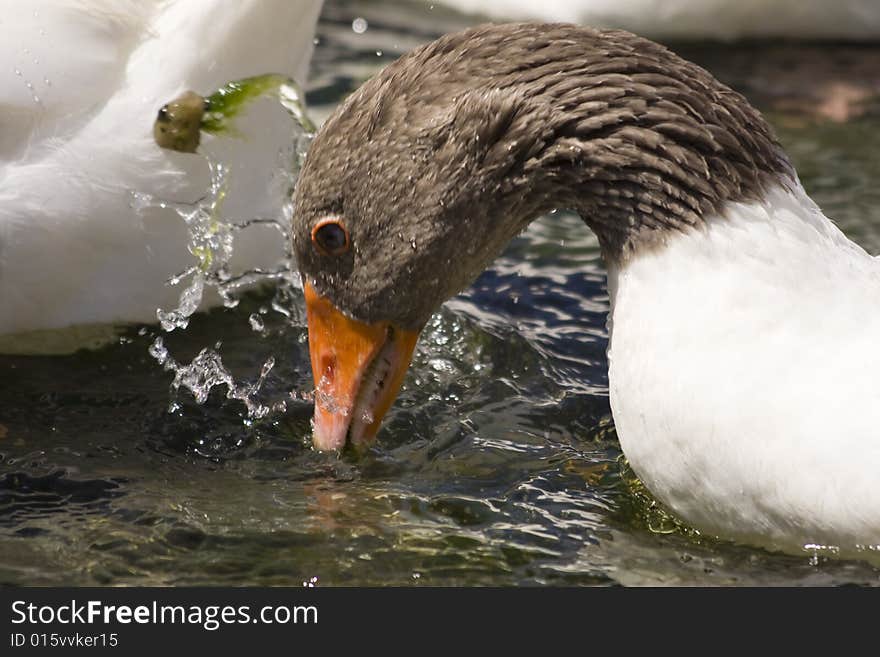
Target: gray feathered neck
[[438, 161]]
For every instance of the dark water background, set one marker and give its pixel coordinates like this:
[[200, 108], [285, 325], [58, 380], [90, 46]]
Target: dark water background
[[499, 464]]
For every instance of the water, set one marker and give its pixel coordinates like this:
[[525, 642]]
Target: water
[[498, 465]]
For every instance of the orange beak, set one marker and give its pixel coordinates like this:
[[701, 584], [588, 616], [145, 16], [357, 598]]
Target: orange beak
[[358, 370]]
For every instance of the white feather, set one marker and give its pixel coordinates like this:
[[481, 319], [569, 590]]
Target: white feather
[[80, 91], [743, 369], [696, 19]]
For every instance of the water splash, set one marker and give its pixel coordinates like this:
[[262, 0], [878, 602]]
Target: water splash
[[207, 371], [211, 241]]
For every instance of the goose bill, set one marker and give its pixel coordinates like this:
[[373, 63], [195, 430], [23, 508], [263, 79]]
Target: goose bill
[[358, 370]]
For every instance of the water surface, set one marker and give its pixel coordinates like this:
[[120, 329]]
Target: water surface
[[498, 465]]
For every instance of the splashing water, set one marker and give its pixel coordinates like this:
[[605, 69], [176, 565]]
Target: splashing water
[[206, 371], [211, 241]]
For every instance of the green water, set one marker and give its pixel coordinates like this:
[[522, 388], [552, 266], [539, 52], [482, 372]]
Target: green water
[[499, 464]]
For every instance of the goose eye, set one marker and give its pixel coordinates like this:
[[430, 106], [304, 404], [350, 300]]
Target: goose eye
[[330, 237]]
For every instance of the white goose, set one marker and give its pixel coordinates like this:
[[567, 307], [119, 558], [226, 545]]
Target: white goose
[[80, 86], [697, 19]]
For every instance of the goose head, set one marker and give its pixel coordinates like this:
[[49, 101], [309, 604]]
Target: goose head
[[418, 181]]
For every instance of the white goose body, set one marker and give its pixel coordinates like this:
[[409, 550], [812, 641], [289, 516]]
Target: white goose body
[[698, 19], [743, 373], [81, 84]]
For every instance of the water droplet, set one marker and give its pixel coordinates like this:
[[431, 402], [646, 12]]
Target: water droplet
[[378, 53], [158, 351], [359, 25], [257, 323]]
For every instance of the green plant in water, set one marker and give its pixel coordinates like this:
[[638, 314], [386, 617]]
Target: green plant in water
[[222, 106], [180, 122]]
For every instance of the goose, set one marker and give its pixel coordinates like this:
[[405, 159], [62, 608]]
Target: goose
[[80, 88], [743, 327], [698, 19]]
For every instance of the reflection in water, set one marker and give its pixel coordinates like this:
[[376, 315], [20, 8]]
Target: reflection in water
[[498, 465]]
